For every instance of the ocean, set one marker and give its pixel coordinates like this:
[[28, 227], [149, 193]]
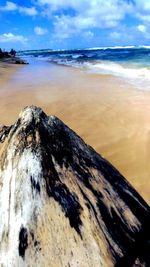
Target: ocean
[[129, 62]]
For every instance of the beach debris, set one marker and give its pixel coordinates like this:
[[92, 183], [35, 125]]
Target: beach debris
[[62, 204]]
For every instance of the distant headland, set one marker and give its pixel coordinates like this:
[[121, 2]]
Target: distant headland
[[10, 57]]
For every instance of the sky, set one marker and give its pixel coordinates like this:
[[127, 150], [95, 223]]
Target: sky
[[68, 24]]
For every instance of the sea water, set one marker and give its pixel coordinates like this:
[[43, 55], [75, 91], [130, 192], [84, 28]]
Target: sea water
[[129, 62]]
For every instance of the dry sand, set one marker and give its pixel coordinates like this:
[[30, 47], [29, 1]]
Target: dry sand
[[107, 112]]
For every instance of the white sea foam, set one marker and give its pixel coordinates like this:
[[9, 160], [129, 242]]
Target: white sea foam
[[77, 56], [109, 67], [132, 72], [111, 47], [144, 46], [119, 70]]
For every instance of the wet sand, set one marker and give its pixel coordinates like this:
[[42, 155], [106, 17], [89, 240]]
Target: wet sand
[[6, 71], [107, 112]]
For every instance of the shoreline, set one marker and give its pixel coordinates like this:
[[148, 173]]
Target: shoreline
[[108, 114]]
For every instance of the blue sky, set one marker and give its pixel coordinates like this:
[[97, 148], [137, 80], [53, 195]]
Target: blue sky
[[63, 24]]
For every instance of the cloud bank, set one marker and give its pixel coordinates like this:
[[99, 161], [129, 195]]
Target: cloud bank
[[78, 16], [115, 21], [40, 31], [12, 38], [10, 6]]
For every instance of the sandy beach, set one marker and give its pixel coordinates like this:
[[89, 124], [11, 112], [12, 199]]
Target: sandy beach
[[6, 71], [107, 112]]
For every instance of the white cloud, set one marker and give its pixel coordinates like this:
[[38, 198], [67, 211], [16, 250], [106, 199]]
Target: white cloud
[[144, 18], [142, 28], [89, 14], [30, 11], [12, 38], [40, 31], [115, 35], [142, 10], [89, 34], [10, 6], [57, 4], [143, 5]]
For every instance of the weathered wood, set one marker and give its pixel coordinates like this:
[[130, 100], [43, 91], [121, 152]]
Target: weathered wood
[[62, 204]]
